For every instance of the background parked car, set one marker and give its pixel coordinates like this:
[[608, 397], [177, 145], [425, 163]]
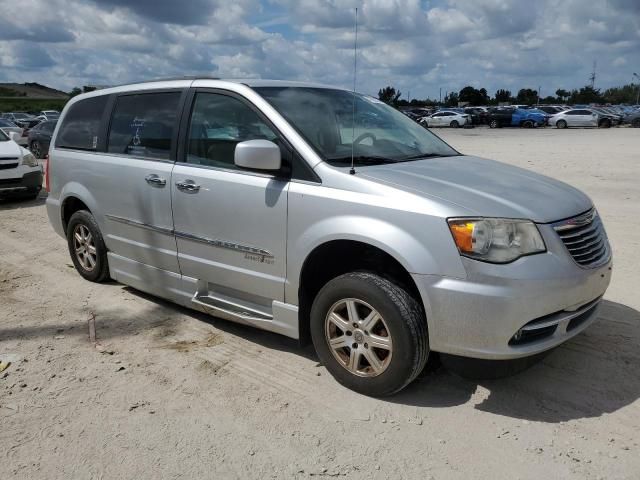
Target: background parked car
[[550, 109], [8, 126], [478, 115], [633, 118], [445, 118], [580, 117], [615, 118], [21, 119], [48, 115], [40, 138], [516, 117]]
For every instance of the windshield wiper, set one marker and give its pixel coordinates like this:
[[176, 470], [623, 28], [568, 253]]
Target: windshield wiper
[[364, 160], [421, 156]]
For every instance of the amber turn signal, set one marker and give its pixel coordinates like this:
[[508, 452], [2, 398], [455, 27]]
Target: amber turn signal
[[463, 235]]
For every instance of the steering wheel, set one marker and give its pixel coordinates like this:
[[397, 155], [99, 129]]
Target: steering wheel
[[364, 136]]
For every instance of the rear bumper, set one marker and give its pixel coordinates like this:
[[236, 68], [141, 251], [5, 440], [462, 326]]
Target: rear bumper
[[502, 312], [29, 182]]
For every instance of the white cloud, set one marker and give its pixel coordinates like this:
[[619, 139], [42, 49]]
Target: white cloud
[[412, 44]]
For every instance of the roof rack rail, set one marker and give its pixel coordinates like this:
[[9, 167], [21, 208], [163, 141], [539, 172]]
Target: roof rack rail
[[167, 79]]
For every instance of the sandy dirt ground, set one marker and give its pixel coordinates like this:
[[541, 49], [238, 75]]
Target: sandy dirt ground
[[177, 394]]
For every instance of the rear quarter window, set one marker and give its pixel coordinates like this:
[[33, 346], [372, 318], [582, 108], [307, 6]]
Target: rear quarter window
[[80, 127]]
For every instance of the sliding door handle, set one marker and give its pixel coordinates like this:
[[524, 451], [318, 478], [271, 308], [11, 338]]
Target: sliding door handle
[[155, 180], [188, 186]]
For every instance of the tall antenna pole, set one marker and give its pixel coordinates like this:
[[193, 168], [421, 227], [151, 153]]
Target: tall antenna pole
[[592, 77], [353, 109]]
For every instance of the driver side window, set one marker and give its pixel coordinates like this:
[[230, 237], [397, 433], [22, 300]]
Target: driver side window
[[218, 123]]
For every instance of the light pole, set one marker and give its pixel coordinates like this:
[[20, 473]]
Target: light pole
[[638, 95]]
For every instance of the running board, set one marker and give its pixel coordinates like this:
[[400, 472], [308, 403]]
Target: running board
[[230, 310]]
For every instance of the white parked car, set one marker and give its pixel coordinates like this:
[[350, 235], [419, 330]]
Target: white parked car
[[20, 171], [445, 118], [7, 126]]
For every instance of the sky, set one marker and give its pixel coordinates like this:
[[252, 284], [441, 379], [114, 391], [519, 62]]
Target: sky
[[420, 47]]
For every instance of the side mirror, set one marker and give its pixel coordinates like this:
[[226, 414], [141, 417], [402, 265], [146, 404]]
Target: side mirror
[[258, 155], [15, 136]]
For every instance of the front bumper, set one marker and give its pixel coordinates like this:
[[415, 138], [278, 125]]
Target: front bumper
[[479, 316], [21, 180]]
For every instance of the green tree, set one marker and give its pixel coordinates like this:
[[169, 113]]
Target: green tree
[[473, 96], [503, 96], [562, 94], [75, 91], [586, 94], [389, 95], [624, 94], [527, 96], [451, 100]]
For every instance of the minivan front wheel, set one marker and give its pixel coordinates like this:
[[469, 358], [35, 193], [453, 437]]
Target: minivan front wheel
[[369, 333], [86, 247]]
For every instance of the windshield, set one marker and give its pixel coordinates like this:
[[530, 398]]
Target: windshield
[[21, 115], [3, 136], [380, 134]]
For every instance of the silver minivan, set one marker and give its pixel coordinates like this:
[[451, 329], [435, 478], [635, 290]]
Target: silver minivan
[[323, 215]]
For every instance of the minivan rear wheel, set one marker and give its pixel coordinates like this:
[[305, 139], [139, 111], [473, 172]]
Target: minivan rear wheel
[[369, 333], [86, 247]]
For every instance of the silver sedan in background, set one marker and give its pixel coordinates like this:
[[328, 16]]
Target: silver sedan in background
[[580, 117]]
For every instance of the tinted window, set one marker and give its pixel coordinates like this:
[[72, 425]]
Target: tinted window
[[81, 126], [218, 124], [142, 125]]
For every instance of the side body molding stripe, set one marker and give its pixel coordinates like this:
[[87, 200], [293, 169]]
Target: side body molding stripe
[[238, 247]]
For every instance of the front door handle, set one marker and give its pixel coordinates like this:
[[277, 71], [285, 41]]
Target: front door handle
[[188, 186], [155, 180]]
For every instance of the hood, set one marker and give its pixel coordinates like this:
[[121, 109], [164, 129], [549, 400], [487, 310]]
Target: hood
[[484, 187], [10, 149]]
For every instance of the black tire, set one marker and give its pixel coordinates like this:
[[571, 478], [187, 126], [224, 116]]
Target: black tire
[[36, 149], [561, 124], [636, 123], [454, 124], [403, 316], [494, 124], [527, 124], [605, 123], [100, 271]]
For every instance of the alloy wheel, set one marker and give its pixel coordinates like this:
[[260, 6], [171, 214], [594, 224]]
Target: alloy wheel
[[84, 247], [358, 337]]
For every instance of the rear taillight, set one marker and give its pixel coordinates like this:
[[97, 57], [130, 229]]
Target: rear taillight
[[47, 168]]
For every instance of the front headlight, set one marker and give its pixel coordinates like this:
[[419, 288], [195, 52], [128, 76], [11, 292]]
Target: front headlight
[[29, 160], [496, 240]]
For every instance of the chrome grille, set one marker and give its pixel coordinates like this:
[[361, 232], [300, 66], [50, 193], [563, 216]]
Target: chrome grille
[[585, 239]]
